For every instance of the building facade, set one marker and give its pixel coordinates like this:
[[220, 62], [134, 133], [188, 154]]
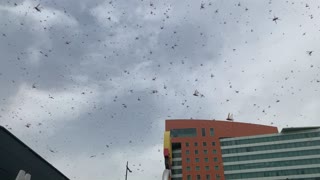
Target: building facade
[[292, 154], [192, 147]]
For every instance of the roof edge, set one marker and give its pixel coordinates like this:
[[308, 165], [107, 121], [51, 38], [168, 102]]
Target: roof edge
[[224, 121], [294, 129], [32, 151]]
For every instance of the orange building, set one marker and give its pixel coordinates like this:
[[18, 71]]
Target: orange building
[[192, 147]]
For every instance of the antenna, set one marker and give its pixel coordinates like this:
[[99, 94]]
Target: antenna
[[230, 117]]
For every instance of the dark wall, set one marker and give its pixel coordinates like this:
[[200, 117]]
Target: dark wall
[[15, 155]]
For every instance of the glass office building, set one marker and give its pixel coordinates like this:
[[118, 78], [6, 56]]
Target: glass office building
[[292, 154]]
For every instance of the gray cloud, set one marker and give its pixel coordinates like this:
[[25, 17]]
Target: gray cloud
[[90, 62]]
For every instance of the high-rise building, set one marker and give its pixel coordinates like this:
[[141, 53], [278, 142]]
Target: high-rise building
[[192, 147], [292, 154]]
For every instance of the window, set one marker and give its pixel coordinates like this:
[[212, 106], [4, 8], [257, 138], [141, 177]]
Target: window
[[189, 132], [176, 171], [197, 168], [204, 144], [198, 177], [188, 177], [216, 167], [208, 177], [217, 176], [206, 159], [187, 144], [215, 159], [195, 144], [272, 155], [214, 151], [272, 138], [205, 151], [188, 160], [203, 131], [207, 168], [211, 132], [271, 147], [188, 168], [176, 155], [273, 164], [213, 143], [197, 160], [286, 172], [187, 152], [196, 152]]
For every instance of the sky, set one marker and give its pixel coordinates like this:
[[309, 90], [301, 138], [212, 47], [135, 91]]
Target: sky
[[88, 84]]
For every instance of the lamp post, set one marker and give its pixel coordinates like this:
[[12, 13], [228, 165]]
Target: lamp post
[[127, 169]]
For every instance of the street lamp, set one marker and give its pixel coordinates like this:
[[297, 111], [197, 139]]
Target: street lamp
[[127, 169]]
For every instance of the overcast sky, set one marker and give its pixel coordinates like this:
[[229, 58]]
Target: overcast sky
[[88, 84]]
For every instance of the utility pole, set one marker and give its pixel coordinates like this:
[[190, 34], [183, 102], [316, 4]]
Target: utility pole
[[127, 169]]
